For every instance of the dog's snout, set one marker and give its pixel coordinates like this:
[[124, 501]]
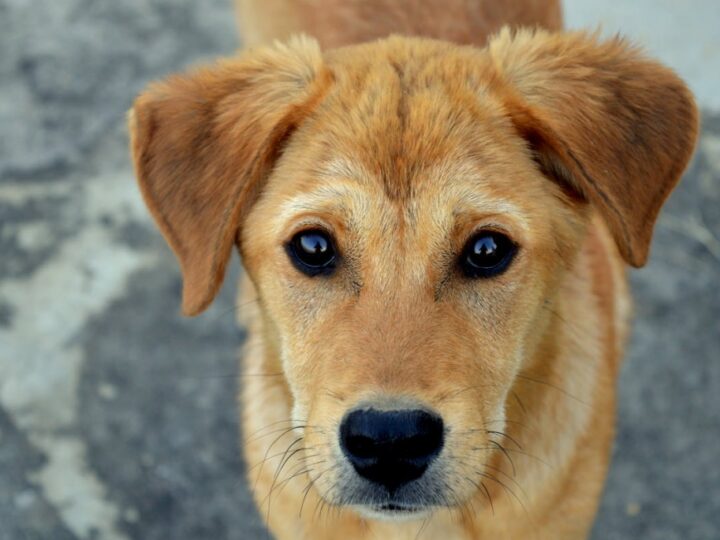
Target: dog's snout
[[391, 448]]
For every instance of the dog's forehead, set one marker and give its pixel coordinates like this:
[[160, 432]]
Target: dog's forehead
[[405, 112], [406, 134]]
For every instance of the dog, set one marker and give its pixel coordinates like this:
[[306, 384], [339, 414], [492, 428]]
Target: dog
[[435, 205]]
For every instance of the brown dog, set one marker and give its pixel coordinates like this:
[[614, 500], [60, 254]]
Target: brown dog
[[434, 237]]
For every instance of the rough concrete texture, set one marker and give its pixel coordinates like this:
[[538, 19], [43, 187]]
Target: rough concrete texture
[[118, 416]]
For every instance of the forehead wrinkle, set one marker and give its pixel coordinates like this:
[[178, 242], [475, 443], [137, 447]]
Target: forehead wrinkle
[[341, 197], [342, 168], [466, 189]]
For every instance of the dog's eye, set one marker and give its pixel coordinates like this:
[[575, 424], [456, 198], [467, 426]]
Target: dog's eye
[[487, 254], [312, 252]]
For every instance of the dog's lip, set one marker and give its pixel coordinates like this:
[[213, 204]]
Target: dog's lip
[[400, 508], [393, 511]]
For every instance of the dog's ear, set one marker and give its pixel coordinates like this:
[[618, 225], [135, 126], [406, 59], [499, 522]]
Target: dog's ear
[[203, 143], [599, 116]]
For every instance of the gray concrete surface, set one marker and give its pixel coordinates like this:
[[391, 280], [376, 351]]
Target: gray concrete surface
[[118, 417]]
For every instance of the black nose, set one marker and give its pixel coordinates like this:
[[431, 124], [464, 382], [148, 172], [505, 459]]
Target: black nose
[[391, 448]]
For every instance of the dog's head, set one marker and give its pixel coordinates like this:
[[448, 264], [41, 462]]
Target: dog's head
[[404, 209]]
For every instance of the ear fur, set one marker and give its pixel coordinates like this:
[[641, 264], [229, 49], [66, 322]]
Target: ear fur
[[615, 126], [203, 143]]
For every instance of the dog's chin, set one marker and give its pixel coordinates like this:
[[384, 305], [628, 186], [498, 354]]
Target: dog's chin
[[392, 512]]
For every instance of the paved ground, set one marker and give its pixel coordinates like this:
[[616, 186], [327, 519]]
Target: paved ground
[[117, 416]]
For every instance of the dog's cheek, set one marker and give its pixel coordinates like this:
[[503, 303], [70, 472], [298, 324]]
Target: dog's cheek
[[305, 355]]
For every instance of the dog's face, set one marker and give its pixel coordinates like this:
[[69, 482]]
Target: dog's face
[[406, 211], [400, 268]]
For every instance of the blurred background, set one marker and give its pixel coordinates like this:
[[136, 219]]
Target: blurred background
[[118, 417]]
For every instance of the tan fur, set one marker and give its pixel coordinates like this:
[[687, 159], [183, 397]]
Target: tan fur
[[336, 23], [402, 148]]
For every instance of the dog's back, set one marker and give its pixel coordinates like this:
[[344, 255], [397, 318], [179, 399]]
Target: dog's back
[[343, 22]]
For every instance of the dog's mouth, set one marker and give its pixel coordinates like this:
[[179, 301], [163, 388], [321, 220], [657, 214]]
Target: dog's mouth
[[397, 508], [394, 511]]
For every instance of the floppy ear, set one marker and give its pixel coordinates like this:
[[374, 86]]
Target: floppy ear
[[615, 126], [203, 143]]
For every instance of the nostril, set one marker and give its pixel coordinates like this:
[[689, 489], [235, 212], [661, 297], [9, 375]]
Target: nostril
[[391, 447], [360, 446], [417, 446]]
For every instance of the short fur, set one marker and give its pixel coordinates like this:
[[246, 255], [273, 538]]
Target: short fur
[[402, 148]]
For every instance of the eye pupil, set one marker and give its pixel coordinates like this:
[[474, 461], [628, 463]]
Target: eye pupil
[[485, 247], [312, 252], [487, 254], [314, 244]]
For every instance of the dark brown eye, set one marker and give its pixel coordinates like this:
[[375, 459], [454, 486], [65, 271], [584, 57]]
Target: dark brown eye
[[312, 252], [487, 254]]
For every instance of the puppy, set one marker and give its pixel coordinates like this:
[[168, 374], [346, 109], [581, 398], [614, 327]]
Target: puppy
[[434, 237]]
